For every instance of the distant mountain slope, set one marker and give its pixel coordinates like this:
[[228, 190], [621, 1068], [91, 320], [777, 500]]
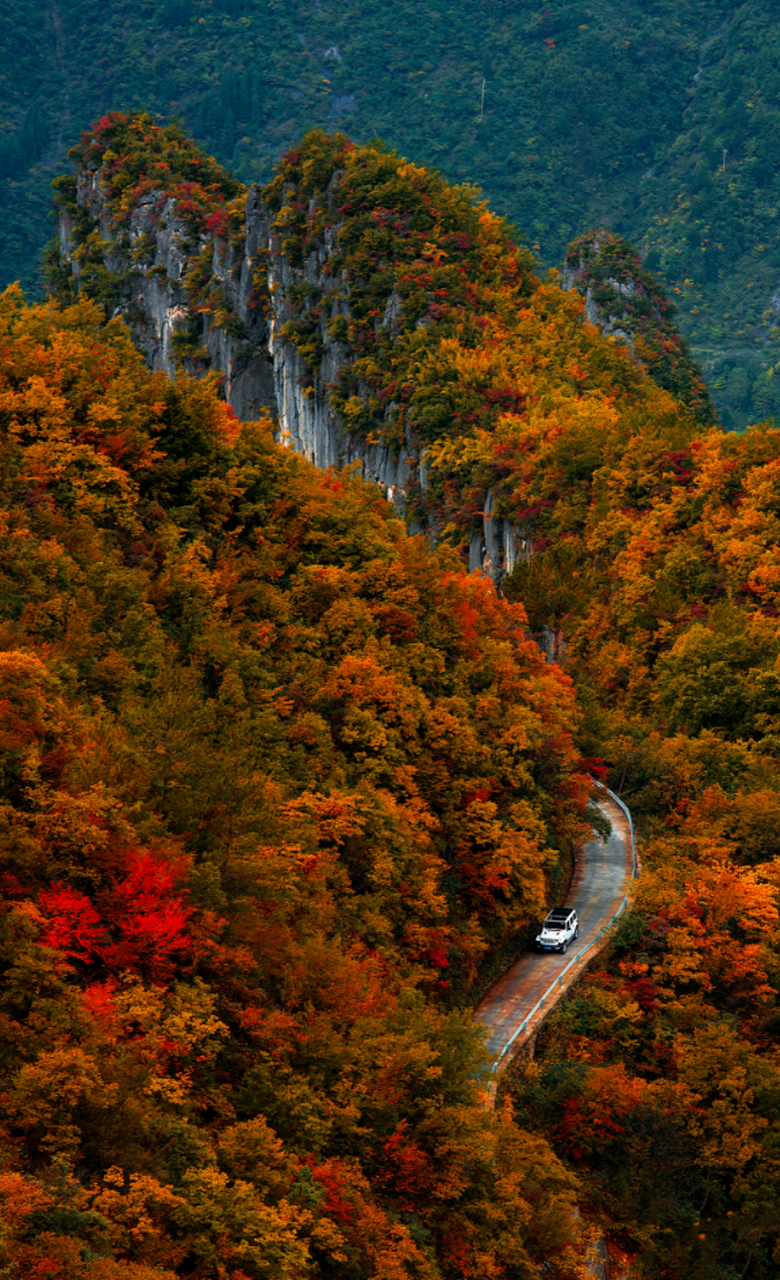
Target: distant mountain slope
[[655, 120]]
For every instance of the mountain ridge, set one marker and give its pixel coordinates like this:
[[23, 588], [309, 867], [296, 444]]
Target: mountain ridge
[[333, 282]]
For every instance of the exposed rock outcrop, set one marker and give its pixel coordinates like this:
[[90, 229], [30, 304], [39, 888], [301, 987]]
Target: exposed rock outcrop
[[236, 299], [307, 421], [624, 300], [149, 265], [497, 546]]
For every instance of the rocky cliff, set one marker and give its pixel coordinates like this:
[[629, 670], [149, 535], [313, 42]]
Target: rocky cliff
[[624, 300], [148, 265], [231, 291], [313, 293], [387, 319]]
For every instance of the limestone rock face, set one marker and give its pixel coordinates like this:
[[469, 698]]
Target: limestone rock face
[[307, 421], [148, 263], [498, 545], [249, 341], [576, 275]]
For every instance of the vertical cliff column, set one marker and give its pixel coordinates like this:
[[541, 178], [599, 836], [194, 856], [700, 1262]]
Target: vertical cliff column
[[231, 338], [312, 296], [497, 544], [306, 420], [241, 350]]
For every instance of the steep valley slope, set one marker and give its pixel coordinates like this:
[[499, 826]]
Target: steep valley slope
[[287, 779]]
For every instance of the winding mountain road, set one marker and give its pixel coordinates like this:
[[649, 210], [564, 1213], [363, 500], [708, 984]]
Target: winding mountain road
[[516, 1005]]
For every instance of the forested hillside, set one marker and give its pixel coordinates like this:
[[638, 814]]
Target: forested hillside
[[283, 787], [656, 120], [278, 784], [660, 1078]]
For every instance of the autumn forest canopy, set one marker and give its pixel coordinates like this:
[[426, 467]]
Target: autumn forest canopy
[[283, 787]]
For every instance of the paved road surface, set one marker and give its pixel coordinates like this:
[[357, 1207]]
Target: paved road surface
[[601, 878]]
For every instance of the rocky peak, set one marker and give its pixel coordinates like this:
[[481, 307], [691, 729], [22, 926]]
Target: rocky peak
[[343, 296], [624, 300]]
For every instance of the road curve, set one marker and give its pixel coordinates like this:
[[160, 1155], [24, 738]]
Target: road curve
[[602, 874]]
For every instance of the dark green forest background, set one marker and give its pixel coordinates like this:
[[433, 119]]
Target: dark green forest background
[[657, 120]]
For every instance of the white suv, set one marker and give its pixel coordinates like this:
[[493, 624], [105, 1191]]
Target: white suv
[[558, 930]]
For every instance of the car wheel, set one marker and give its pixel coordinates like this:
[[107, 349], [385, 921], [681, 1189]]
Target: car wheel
[[577, 932], [564, 945]]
